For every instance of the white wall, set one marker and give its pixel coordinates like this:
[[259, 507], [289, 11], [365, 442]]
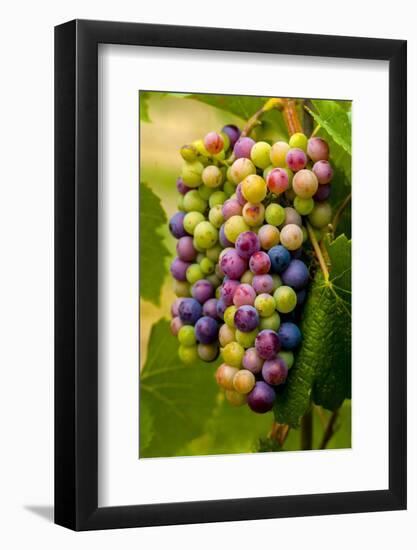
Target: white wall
[[26, 273]]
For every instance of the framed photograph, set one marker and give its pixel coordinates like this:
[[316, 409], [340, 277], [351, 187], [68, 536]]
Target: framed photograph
[[230, 248]]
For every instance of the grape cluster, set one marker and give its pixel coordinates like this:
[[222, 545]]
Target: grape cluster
[[239, 273]]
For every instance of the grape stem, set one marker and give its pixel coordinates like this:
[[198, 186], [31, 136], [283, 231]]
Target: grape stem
[[307, 431], [340, 211], [272, 103], [318, 252], [330, 429], [292, 120], [279, 432]]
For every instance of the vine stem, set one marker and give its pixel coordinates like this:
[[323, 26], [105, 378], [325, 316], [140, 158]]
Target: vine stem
[[340, 211], [307, 431], [254, 120], [279, 432], [329, 432], [318, 252]]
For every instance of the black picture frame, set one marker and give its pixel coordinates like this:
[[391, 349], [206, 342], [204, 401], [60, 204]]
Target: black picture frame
[[76, 272]]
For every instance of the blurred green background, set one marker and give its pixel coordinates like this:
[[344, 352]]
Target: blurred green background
[[182, 412]]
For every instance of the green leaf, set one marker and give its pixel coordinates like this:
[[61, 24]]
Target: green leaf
[[230, 430], [152, 248], [335, 120], [322, 369], [180, 398], [146, 426], [241, 106], [144, 106]]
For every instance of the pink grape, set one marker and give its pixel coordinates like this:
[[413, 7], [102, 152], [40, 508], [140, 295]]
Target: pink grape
[[213, 142], [228, 290], [181, 187], [174, 307], [277, 181], [252, 361], [296, 159], [185, 249], [263, 283], [230, 208], [259, 263], [243, 147], [202, 291], [275, 371], [175, 326], [323, 171], [210, 308], [317, 149], [267, 344], [233, 265], [179, 269], [245, 295], [247, 244], [239, 195], [268, 236]]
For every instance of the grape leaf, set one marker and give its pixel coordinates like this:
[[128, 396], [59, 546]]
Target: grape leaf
[[335, 120], [144, 106], [179, 397], [323, 364], [241, 106], [146, 426], [152, 248], [230, 430]]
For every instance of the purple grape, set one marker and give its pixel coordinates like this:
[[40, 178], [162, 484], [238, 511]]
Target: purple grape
[[289, 335], [323, 171], [261, 399], [202, 291], [296, 275], [221, 308], [244, 296], [174, 307], [317, 149], [176, 225], [181, 187], [246, 318], [175, 326], [267, 344], [233, 265], [206, 330], [252, 361], [247, 244], [323, 192], [178, 269], [296, 159], [224, 241], [232, 133], [239, 195], [280, 258], [243, 147], [259, 263], [190, 311], [186, 250], [231, 207], [227, 291], [263, 284], [210, 308], [275, 371]]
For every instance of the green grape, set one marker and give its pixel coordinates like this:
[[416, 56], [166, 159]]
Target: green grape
[[226, 335], [268, 236], [226, 141], [253, 214], [214, 280], [299, 141], [180, 203], [207, 352], [246, 339], [200, 256], [270, 323], [233, 354], [188, 354], [191, 220], [235, 398], [305, 233], [194, 273], [181, 289], [229, 316], [285, 299], [305, 184], [260, 154], [275, 214], [205, 192], [288, 357], [218, 293], [233, 227], [278, 154], [244, 381], [216, 216], [218, 197], [265, 305], [291, 236], [197, 247], [207, 266], [241, 168], [193, 202], [254, 188], [186, 336], [267, 170], [212, 176], [213, 253], [247, 277], [199, 145], [205, 235], [303, 206], [191, 173], [188, 153], [321, 215], [229, 188]]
